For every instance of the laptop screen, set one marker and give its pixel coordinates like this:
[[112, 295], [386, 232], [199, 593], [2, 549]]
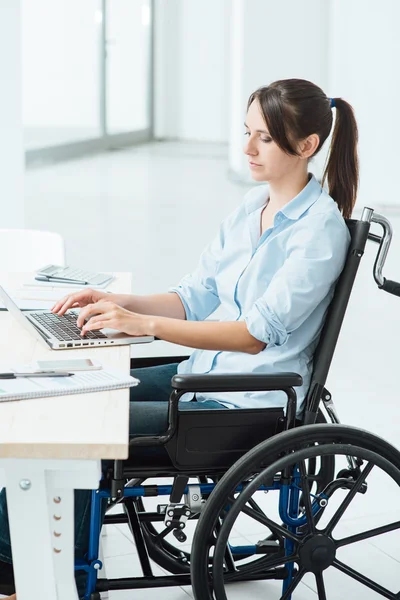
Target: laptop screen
[[20, 317]]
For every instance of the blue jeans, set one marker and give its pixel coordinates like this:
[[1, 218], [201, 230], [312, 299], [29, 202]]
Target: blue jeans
[[148, 414]]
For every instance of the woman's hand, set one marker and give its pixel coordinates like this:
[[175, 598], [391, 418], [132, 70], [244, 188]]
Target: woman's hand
[[107, 314], [78, 299]]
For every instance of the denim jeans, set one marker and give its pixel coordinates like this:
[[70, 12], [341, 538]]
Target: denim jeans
[[148, 414]]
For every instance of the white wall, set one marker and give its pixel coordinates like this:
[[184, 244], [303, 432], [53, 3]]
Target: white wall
[[201, 48], [210, 56], [11, 145], [270, 41], [192, 69], [364, 69]]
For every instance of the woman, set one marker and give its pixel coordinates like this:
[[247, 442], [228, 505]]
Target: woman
[[271, 269]]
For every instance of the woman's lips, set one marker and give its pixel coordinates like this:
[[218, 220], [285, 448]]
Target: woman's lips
[[252, 164]]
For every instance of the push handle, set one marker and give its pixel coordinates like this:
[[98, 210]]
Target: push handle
[[392, 287]]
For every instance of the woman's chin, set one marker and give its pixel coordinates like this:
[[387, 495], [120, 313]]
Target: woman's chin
[[258, 176]]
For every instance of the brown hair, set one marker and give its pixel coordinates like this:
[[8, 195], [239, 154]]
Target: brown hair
[[293, 109]]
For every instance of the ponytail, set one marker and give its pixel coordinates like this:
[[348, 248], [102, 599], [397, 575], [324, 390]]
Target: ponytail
[[342, 170]]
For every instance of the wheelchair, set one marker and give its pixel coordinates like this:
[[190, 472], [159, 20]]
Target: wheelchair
[[224, 467]]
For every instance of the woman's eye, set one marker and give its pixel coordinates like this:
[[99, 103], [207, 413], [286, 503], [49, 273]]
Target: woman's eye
[[265, 140]]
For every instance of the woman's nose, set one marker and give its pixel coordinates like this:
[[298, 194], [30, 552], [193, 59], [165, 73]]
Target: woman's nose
[[249, 148]]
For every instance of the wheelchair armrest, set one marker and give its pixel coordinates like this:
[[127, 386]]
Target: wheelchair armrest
[[244, 382]]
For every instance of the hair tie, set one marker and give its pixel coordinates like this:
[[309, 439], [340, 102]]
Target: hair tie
[[333, 103]]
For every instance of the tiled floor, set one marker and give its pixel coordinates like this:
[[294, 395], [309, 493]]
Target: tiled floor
[[150, 210]]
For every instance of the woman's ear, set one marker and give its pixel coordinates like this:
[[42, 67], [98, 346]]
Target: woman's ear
[[309, 145]]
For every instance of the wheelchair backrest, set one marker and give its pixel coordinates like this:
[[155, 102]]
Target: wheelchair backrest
[[330, 333]]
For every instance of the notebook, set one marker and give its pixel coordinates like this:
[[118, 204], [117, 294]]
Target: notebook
[[24, 388]]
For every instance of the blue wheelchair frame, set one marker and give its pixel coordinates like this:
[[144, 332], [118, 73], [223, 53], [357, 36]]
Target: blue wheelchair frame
[[289, 496]]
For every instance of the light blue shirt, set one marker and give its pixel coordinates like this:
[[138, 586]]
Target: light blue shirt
[[280, 284]]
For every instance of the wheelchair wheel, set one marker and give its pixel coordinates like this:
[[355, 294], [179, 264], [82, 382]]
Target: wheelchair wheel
[[172, 557], [315, 547]]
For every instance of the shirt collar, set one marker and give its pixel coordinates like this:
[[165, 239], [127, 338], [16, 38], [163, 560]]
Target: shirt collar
[[296, 207]]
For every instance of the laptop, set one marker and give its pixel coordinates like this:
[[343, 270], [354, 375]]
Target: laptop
[[62, 333]]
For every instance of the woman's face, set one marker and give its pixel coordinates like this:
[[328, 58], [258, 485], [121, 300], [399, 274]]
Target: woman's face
[[267, 161]]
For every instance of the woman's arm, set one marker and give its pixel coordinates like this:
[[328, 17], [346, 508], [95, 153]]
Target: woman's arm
[[206, 335], [231, 336], [163, 305]]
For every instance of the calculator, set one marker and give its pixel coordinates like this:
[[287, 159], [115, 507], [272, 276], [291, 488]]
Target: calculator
[[72, 275]]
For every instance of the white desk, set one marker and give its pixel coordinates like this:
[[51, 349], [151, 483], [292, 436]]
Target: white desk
[[48, 448]]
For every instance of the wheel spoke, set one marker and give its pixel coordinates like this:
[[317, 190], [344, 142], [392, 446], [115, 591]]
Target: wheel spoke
[[320, 586], [253, 504], [372, 585], [306, 497], [257, 508], [351, 539], [262, 518], [357, 485], [293, 585]]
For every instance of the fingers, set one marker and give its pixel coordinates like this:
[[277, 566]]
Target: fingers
[[94, 324], [101, 307], [58, 304], [85, 314], [80, 298], [63, 305], [67, 302]]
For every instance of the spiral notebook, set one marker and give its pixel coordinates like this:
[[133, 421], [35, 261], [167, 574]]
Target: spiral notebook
[[24, 388]]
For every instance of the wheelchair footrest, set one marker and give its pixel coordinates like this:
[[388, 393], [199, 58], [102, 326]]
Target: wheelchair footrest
[[176, 516]]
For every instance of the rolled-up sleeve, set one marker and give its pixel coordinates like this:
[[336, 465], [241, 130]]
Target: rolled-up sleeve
[[316, 254], [198, 290]]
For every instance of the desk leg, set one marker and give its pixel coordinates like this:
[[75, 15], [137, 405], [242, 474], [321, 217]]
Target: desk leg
[[41, 513]]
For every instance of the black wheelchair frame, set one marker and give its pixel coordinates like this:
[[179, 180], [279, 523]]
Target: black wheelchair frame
[[232, 453]]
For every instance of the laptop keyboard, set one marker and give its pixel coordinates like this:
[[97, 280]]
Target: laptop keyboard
[[64, 328]]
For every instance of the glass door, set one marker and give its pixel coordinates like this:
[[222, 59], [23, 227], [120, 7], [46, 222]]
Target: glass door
[[128, 66], [87, 76], [60, 42]]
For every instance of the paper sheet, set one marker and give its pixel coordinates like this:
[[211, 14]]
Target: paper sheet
[[84, 380], [37, 298]]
